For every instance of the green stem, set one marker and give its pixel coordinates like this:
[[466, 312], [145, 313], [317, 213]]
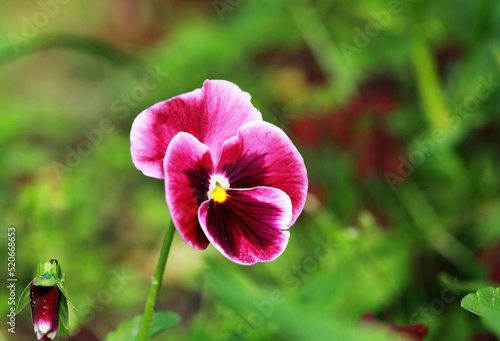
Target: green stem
[[432, 228], [77, 43], [328, 55], [431, 94], [156, 285]]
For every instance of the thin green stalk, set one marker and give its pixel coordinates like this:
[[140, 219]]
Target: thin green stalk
[[431, 94], [77, 43], [496, 53], [327, 54], [156, 285], [432, 229]]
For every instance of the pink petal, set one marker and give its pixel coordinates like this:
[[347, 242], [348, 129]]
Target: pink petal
[[188, 167], [226, 109], [155, 127], [212, 114], [249, 226], [262, 155]]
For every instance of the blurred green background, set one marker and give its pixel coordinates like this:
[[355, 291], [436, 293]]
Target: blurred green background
[[393, 104]]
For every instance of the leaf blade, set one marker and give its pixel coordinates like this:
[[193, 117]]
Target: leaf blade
[[23, 299], [128, 330], [484, 302]]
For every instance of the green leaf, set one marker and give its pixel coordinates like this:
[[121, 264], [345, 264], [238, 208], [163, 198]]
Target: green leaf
[[63, 317], [492, 324], [128, 331], [23, 299], [60, 285], [484, 302]]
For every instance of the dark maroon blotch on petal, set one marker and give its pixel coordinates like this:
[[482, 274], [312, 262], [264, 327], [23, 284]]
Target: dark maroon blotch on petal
[[198, 179], [188, 168], [262, 155], [248, 227], [249, 171]]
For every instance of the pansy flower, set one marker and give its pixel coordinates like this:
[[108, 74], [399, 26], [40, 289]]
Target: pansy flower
[[230, 179]]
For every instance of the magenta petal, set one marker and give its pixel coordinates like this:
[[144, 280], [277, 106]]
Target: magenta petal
[[155, 127], [226, 109], [262, 155], [250, 225], [188, 167], [212, 114], [45, 311]]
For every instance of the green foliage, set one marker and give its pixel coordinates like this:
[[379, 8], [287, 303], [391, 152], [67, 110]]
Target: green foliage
[[24, 299], [63, 316], [484, 304], [128, 330], [273, 307]]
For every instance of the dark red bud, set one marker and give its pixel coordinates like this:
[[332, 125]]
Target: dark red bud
[[45, 310]]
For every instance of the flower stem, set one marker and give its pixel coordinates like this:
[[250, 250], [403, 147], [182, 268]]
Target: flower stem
[[431, 93], [156, 285], [329, 57]]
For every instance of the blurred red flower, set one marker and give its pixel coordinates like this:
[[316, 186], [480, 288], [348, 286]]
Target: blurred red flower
[[360, 127], [415, 332], [490, 256]]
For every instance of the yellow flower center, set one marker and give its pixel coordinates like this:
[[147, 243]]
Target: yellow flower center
[[218, 187], [218, 194]]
